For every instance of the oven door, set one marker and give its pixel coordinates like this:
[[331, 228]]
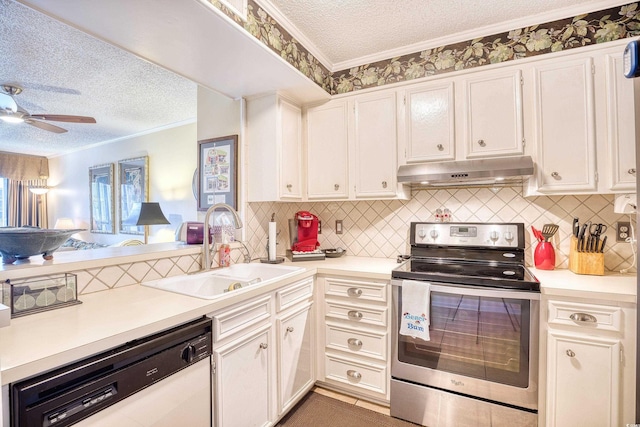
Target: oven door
[[483, 343]]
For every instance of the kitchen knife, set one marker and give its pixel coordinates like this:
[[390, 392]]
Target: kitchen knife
[[575, 229], [602, 245], [583, 229]]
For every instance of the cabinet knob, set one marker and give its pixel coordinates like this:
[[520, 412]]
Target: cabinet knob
[[632, 171], [264, 345], [583, 317], [289, 187], [570, 353], [336, 187], [384, 184], [290, 329], [440, 147], [555, 175], [481, 143], [354, 342], [354, 374], [354, 314], [354, 292]]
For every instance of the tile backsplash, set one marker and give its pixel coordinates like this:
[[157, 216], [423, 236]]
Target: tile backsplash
[[380, 228]]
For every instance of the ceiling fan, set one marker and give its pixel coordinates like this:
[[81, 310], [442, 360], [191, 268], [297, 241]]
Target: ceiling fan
[[11, 112]]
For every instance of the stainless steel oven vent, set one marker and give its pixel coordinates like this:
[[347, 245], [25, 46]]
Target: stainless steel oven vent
[[478, 172]]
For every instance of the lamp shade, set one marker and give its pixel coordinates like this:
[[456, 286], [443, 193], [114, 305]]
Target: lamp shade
[[151, 214], [64, 224]]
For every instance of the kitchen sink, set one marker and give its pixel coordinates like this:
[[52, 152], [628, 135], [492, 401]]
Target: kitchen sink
[[216, 283]]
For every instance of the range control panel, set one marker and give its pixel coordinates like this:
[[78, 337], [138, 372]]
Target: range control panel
[[509, 235]]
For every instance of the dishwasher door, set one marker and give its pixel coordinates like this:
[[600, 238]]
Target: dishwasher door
[[182, 399]]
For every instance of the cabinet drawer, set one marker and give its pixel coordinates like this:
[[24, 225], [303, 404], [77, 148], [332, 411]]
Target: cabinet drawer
[[240, 317], [293, 294], [602, 317], [366, 376], [356, 314], [363, 343], [356, 290]]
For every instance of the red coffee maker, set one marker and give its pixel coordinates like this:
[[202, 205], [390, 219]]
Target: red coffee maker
[[304, 232]]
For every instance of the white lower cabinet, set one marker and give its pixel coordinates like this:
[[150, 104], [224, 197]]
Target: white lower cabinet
[[243, 387], [296, 355], [263, 356], [354, 343], [590, 363]]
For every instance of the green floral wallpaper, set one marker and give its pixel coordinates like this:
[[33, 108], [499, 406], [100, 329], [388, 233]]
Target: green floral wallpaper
[[582, 30]]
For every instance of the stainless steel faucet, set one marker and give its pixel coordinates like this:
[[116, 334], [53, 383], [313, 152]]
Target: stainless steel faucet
[[206, 244]]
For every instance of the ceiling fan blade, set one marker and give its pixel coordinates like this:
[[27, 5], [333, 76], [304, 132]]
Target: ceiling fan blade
[[8, 103], [45, 126], [63, 118]]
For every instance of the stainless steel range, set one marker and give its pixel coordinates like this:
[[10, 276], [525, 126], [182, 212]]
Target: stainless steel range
[[465, 335]]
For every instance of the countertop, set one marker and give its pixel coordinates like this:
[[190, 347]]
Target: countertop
[[43, 341]]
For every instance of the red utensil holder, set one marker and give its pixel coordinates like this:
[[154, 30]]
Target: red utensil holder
[[544, 256]]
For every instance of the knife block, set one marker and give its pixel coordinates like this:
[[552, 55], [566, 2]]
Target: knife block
[[585, 262]]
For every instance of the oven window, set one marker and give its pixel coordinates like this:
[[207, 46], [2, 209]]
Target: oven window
[[480, 337]]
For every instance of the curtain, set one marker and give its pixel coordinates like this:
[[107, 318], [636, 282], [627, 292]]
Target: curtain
[[26, 208], [21, 167]]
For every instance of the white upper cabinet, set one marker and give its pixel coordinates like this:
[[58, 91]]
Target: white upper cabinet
[[564, 125], [429, 124], [352, 148], [274, 146], [493, 114], [327, 151], [621, 138], [375, 145]]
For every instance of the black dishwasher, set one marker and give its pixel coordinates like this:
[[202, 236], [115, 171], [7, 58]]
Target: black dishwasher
[[73, 392]]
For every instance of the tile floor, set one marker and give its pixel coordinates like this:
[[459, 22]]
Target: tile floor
[[352, 400]]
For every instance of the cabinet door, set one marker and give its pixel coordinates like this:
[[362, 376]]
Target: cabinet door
[[429, 123], [243, 385], [565, 126], [290, 153], [296, 373], [327, 151], [620, 126], [493, 114], [375, 145], [583, 381]]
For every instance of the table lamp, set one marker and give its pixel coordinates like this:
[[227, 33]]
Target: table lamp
[[150, 214]]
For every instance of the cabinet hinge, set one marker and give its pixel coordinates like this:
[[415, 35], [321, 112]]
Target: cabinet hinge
[[404, 100], [597, 177], [213, 367], [593, 68], [521, 81], [524, 142], [621, 355]]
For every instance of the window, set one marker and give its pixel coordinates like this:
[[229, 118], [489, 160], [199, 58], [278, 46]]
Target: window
[[4, 202]]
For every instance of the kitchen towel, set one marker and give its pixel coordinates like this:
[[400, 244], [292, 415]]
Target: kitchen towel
[[414, 321]]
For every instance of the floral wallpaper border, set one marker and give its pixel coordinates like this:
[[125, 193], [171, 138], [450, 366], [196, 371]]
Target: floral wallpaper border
[[590, 28]]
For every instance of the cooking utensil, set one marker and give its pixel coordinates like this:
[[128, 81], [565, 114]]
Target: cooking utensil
[[602, 244], [537, 234], [575, 228], [548, 230]]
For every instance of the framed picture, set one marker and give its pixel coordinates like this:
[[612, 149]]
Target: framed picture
[[218, 172], [101, 205], [133, 176]]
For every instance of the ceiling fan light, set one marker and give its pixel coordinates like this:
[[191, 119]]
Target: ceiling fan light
[[11, 119]]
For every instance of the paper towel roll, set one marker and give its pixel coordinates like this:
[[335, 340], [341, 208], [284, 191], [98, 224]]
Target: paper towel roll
[[272, 241]]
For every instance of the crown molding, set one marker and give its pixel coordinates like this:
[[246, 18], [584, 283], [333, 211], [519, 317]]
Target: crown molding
[[485, 31], [281, 19]]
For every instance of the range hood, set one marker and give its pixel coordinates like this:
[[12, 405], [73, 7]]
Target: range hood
[[480, 172]]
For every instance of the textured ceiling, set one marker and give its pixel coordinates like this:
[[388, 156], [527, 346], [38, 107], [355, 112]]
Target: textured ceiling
[[346, 30], [65, 71]]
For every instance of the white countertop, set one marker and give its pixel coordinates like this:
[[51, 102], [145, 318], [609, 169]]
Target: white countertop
[[43, 341]]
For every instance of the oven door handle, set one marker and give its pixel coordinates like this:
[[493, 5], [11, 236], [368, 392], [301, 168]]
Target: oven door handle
[[473, 291]]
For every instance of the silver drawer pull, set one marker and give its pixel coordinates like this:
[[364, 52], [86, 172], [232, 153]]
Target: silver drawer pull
[[481, 143], [570, 353], [289, 187], [440, 147], [353, 314], [354, 374], [354, 342], [354, 292], [632, 171], [336, 187], [583, 317], [263, 345], [384, 184], [555, 175], [290, 329]]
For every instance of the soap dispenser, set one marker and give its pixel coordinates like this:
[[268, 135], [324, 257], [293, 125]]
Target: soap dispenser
[[224, 253]]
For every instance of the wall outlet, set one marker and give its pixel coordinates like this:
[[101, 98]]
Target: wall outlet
[[319, 227], [624, 231], [338, 226]]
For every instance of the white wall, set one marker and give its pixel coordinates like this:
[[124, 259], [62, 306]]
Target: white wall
[[172, 161]]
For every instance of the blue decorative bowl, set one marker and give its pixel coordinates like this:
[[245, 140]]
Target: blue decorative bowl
[[22, 242]]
